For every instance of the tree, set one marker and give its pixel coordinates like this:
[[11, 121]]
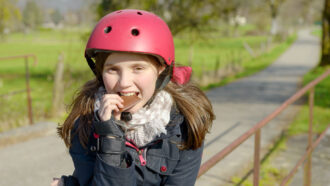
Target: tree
[[86, 14], [227, 12], [56, 16], [325, 58], [179, 15], [274, 9], [107, 6], [32, 15], [191, 15], [8, 12]]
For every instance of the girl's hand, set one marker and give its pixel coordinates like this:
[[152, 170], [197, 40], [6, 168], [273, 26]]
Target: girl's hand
[[56, 182], [110, 103]]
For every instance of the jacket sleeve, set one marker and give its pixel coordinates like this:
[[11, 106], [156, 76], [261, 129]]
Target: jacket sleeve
[[90, 169], [83, 162], [187, 168]]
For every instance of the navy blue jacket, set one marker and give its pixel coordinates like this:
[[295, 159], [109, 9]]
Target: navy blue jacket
[[165, 164]]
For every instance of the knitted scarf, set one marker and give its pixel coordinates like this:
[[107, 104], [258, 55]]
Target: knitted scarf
[[148, 122]]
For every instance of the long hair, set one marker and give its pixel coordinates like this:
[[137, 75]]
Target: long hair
[[82, 107], [189, 99], [197, 110]]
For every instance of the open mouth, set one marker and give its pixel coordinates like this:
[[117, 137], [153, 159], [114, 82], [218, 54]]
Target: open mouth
[[128, 93], [130, 99]]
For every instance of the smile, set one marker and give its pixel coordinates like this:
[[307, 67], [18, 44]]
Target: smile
[[128, 93]]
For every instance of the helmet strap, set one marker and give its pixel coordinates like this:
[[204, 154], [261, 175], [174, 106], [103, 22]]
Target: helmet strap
[[163, 79], [92, 65]]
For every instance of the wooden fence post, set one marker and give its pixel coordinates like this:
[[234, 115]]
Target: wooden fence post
[[216, 69], [249, 49], [58, 88]]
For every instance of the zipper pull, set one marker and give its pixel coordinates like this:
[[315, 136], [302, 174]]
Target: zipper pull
[[139, 151], [142, 160]]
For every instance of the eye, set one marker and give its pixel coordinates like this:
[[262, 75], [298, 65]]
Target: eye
[[138, 68], [111, 69]]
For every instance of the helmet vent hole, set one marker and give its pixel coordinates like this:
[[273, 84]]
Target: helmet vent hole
[[139, 13], [135, 32], [107, 29], [118, 12]]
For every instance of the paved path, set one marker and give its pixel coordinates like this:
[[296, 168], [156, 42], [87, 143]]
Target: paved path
[[295, 147], [238, 106]]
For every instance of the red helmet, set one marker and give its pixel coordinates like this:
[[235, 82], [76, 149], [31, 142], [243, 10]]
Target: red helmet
[[134, 31]]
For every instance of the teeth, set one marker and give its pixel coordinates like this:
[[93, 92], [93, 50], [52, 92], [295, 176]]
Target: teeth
[[127, 94]]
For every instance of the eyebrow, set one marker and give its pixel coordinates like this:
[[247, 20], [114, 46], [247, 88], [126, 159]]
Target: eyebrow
[[134, 63], [108, 64]]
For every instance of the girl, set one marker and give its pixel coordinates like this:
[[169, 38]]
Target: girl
[[140, 121]]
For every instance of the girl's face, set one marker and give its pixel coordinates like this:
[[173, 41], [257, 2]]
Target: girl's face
[[128, 73]]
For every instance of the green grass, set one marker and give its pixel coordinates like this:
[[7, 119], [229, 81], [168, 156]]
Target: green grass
[[321, 108], [317, 32], [207, 52], [253, 65], [48, 44]]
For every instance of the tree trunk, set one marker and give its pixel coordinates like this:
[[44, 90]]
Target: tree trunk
[[274, 27], [273, 12], [325, 59]]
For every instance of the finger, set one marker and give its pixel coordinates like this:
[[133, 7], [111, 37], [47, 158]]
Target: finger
[[106, 113], [109, 108], [113, 101], [104, 104], [55, 183], [108, 104], [113, 96]]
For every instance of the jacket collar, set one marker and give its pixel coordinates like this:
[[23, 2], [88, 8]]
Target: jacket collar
[[174, 125]]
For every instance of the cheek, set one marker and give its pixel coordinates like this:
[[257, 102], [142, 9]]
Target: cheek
[[109, 82], [147, 84]]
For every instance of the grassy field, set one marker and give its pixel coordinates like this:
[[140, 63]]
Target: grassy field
[[253, 65], [47, 45]]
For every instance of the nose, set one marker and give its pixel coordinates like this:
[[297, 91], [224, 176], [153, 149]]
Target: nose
[[125, 79]]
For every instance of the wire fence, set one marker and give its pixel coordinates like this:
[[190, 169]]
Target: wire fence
[[27, 81]]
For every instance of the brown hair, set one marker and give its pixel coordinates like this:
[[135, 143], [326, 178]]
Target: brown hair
[[189, 99]]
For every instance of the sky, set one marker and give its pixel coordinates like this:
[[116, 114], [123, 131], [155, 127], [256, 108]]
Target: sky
[[62, 5]]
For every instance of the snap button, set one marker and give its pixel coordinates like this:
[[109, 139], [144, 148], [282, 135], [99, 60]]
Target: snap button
[[96, 135], [93, 148], [163, 169]]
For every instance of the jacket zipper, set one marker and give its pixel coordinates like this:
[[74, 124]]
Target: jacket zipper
[[139, 151]]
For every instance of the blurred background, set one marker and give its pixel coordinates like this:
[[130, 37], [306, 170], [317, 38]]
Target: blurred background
[[42, 44], [218, 38]]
